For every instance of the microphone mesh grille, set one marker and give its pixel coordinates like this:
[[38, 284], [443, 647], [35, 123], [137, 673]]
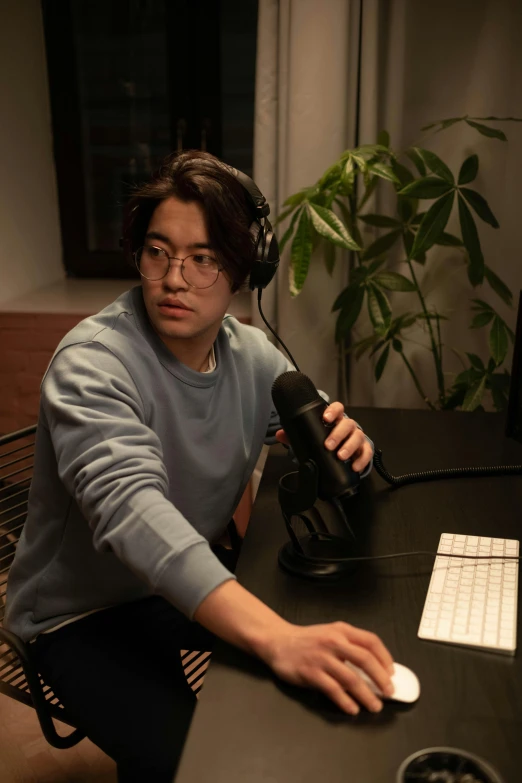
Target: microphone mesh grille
[[292, 390]]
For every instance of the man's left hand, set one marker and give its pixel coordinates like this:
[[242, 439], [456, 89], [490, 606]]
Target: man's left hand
[[345, 437]]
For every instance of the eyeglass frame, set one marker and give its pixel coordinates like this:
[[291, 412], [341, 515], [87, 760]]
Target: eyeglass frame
[[175, 258]]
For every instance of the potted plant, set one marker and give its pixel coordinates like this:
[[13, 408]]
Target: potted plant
[[332, 213]]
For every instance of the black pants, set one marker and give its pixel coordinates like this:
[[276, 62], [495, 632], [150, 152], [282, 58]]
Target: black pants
[[118, 673]]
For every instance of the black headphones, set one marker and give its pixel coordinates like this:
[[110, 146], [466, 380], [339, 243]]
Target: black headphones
[[266, 259], [266, 253]]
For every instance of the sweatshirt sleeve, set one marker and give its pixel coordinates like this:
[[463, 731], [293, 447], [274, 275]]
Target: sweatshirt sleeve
[[111, 462]]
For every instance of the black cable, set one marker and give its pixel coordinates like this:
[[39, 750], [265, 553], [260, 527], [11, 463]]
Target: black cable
[[259, 293], [434, 475], [413, 554]]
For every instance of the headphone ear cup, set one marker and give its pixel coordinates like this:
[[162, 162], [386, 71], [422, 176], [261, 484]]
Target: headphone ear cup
[[266, 258]]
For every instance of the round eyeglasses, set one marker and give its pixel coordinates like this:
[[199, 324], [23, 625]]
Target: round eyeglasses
[[198, 271]]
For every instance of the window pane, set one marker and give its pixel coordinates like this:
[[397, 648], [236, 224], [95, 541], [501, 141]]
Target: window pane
[[122, 84]]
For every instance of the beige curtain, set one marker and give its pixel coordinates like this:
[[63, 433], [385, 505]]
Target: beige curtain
[[305, 94], [418, 62]]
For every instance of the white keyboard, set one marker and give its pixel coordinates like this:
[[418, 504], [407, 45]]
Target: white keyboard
[[473, 602]]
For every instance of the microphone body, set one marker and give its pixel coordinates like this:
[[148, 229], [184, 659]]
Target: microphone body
[[301, 410]]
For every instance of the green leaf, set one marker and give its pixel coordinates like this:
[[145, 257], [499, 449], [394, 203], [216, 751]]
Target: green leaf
[[408, 238], [381, 245], [349, 313], [493, 133], [469, 170], [481, 319], [348, 174], [379, 309], [301, 253], [371, 149], [402, 173], [498, 341], [468, 377], [498, 286], [480, 205], [406, 207], [427, 187], [476, 361], [381, 364], [454, 398], [500, 119], [402, 322], [474, 394], [448, 240], [433, 224], [383, 138], [289, 231], [328, 225], [435, 164], [381, 221], [360, 161], [416, 158], [393, 281], [479, 304], [443, 123], [331, 175], [375, 265], [346, 297], [362, 346], [368, 192], [283, 215], [397, 345], [329, 257], [383, 171], [377, 347], [471, 241], [296, 198], [499, 384]]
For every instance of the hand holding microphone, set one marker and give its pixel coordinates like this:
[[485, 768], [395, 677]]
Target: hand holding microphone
[[345, 439], [320, 432]]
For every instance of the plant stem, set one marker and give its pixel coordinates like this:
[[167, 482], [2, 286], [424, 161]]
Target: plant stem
[[440, 341], [417, 384], [436, 357]]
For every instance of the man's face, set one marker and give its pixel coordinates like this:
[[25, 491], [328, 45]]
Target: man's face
[[177, 311]]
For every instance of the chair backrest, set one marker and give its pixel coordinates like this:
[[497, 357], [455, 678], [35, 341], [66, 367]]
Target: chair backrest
[[16, 471]]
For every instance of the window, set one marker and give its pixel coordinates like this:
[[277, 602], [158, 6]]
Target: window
[[131, 81]]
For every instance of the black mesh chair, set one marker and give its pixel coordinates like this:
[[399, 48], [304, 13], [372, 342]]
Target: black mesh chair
[[18, 677]]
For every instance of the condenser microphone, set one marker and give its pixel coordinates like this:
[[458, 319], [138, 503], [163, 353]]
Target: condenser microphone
[[301, 410]]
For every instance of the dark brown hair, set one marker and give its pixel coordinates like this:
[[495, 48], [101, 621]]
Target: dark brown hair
[[198, 176]]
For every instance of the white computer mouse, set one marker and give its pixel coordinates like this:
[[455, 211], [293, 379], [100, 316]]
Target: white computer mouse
[[406, 684]]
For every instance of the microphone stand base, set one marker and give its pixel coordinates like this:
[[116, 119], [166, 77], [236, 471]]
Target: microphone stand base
[[319, 557]]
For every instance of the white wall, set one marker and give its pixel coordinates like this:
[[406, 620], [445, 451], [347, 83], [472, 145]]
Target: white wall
[[30, 247]]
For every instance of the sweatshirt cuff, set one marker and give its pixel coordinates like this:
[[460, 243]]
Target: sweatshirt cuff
[[190, 577]]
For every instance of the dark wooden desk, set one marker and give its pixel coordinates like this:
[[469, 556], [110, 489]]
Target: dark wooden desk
[[250, 728]]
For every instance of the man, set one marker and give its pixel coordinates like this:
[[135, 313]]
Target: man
[[153, 414]]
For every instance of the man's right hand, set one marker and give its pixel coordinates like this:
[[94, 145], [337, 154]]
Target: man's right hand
[[314, 656], [310, 656]]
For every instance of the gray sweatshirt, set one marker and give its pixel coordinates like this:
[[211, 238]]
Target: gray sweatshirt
[[139, 465]]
